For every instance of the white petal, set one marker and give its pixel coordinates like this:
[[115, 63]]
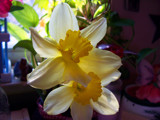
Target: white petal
[[80, 112], [107, 103], [103, 63], [47, 74], [44, 47], [58, 100], [95, 32], [62, 19]]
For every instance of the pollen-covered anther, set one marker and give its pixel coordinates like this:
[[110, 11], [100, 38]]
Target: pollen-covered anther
[[93, 91], [79, 46]]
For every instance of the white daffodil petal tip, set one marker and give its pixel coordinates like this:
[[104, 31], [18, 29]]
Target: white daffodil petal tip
[[58, 100], [96, 31], [107, 104], [62, 19]]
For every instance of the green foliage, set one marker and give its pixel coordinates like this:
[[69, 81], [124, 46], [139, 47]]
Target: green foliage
[[41, 4], [144, 53], [14, 8], [115, 20], [96, 1], [26, 44], [71, 3], [26, 17], [17, 31], [122, 22], [47, 28], [80, 3], [99, 10], [116, 24]]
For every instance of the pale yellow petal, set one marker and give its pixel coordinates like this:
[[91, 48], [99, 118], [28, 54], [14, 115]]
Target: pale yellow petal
[[103, 63], [80, 112], [62, 19], [47, 74], [96, 31], [110, 78], [107, 104], [44, 47], [74, 72], [58, 100]]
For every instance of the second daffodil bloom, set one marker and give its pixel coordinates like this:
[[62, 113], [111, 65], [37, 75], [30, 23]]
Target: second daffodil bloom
[[82, 100], [71, 53]]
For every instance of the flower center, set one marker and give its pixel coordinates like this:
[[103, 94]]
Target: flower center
[[74, 46], [92, 91]]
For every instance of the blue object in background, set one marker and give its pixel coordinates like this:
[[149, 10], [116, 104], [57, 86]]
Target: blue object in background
[[17, 71], [6, 47], [4, 38], [1, 63], [1, 53]]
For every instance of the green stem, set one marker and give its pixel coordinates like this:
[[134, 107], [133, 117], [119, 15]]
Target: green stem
[[25, 55], [33, 60]]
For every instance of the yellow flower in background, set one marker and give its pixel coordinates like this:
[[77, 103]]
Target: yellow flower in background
[[71, 53], [82, 100]]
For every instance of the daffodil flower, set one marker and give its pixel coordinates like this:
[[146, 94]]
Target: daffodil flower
[[70, 53], [82, 100]]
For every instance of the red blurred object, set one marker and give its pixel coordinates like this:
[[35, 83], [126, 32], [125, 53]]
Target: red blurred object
[[149, 80], [113, 48], [144, 91], [5, 6], [149, 92], [25, 69], [132, 90], [155, 93], [156, 69]]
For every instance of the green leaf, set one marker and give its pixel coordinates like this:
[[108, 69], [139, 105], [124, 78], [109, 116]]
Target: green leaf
[[144, 53], [71, 3], [26, 17], [122, 22], [42, 4], [96, 1], [47, 28], [82, 19], [27, 44], [17, 31], [1, 22], [99, 10], [14, 8]]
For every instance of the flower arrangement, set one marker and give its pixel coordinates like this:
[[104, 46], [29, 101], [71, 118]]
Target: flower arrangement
[[72, 62]]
